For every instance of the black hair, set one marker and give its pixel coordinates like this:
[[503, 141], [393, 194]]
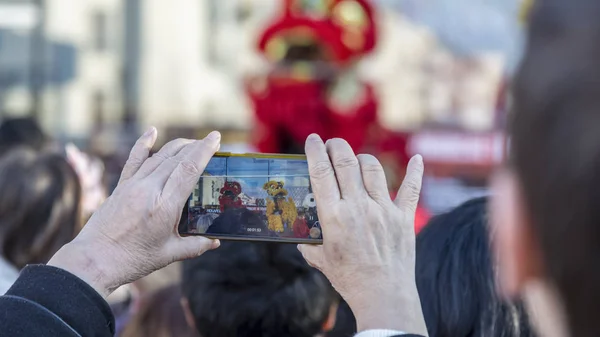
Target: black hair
[[456, 278], [40, 202], [21, 132], [256, 289]]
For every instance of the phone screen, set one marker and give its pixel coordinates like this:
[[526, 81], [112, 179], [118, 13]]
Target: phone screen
[[254, 197]]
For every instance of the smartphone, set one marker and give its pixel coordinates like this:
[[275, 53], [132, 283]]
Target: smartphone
[[254, 197]]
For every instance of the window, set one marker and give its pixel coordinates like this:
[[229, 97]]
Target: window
[[98, 104], [99, 30]]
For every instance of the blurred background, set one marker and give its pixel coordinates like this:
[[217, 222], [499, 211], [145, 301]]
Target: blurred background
[[97, 73]]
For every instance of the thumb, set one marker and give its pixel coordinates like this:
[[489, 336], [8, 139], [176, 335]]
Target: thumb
[[190, 247], [139, 153], [408, 194], [313, 255]]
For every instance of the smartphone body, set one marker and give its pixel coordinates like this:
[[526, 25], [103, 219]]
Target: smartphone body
[[254, 197]]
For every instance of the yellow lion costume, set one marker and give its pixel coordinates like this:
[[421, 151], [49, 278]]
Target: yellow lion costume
[[280, 210]]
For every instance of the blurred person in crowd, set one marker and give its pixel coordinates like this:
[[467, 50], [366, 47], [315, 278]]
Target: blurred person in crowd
[[90, 171], [545, 213], [21, 132], [456, 278], [127, 301], [257, 289], [161, 315], [39, 208], [26, 132]]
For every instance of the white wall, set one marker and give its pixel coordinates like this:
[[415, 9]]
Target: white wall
[[69, 109]]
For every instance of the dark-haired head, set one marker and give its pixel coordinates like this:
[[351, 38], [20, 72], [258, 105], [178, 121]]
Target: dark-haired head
[[23, 132], [160, 315], [39, 205], [547, 213], [456, 278], [257, 289]]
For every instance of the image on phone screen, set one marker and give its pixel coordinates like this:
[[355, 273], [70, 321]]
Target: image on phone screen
[[254, 197]]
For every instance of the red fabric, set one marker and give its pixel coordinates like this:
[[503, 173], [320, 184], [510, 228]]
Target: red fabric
[[421, 219], [325, 30], [297, 109], [231, 199], [301, 228]]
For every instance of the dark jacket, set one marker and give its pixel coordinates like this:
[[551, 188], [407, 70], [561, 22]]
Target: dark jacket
[[47, 301]]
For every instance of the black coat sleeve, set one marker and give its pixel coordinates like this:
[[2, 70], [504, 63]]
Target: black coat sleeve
[[48, 301]]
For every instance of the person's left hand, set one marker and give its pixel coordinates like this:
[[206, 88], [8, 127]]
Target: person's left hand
[[135, 231]]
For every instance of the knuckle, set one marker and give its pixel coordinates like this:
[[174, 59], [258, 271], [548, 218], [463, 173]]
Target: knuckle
[[345, 162], [175, 143], [160, 156], [155, 205], [134, 161], [413, 188], [189, 167], [321, 169], [180, 140], [377, 194], [372, 168]]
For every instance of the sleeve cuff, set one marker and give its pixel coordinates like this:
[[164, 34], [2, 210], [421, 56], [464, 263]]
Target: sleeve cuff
[[67, 296], [380, 333]]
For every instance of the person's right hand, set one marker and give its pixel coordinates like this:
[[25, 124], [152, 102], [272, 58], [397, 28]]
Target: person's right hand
[[368, 250], [135, 231]]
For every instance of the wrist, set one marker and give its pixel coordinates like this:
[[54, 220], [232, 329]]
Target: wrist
[[75, 258], [395, 308]]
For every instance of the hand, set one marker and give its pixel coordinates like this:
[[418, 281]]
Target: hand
[[368, 250], [135, 231]]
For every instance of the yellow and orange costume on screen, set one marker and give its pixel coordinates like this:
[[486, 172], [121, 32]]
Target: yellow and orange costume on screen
[[281, 209]]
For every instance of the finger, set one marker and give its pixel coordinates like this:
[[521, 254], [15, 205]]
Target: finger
[[139, 153], [408, 195], [347, 169], [312, 254], [322, 176], [373, 177], [190, 247], [190, 163], [170, 149]]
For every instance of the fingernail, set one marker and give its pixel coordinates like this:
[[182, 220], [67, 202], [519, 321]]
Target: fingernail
[[216, 244], [214, 138], [215, 135], [149, 131], [314, 138], [418, 158]]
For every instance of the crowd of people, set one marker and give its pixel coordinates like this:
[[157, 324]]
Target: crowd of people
[[520, 264]]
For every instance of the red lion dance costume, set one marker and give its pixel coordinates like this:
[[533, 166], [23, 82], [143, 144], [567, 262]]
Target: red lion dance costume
[[230, 196], [311, 88]]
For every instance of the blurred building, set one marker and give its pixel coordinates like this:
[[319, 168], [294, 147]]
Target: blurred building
[[86, 65], [71, 58]]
